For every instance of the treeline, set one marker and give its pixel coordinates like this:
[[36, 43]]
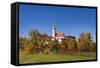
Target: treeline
[[39, 43]]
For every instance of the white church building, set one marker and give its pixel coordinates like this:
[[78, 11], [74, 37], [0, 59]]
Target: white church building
[[57, 36]]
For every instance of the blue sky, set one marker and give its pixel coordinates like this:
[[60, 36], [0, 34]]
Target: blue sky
[[69, 20]]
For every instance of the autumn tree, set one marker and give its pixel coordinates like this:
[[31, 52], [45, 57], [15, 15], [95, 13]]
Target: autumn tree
[[71, 42], [22, 42], [38, 40], [93, 47], [55, 46], [85, 41]]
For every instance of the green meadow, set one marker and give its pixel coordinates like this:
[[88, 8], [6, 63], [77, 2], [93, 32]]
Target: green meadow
[[40, 58]]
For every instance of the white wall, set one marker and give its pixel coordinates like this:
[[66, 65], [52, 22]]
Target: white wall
[[5, 34]]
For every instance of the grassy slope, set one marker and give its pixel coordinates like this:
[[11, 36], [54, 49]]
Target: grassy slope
[[37, 58]]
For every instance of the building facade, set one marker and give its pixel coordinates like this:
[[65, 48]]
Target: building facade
[[57, 36]]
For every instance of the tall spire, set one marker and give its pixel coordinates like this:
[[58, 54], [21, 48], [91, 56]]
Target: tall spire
[[53, 30]]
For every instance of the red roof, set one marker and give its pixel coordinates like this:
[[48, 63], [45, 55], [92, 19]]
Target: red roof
[[60, 35]]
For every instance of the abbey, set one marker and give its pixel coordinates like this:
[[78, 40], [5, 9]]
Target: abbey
[[57, 36]]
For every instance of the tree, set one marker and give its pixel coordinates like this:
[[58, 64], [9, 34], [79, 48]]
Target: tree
[[71, 42], [36, 39], [55, 47], [85, 41], [33, 34], [29, 49], [32, 47], [93, 47], [22, 43]]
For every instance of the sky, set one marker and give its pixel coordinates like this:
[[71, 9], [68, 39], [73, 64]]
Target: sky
[[70, 20]]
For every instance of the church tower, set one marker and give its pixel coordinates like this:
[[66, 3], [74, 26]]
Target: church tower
[[53, 31]]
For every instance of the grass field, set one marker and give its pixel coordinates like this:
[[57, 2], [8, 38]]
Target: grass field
[[39, 58]]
